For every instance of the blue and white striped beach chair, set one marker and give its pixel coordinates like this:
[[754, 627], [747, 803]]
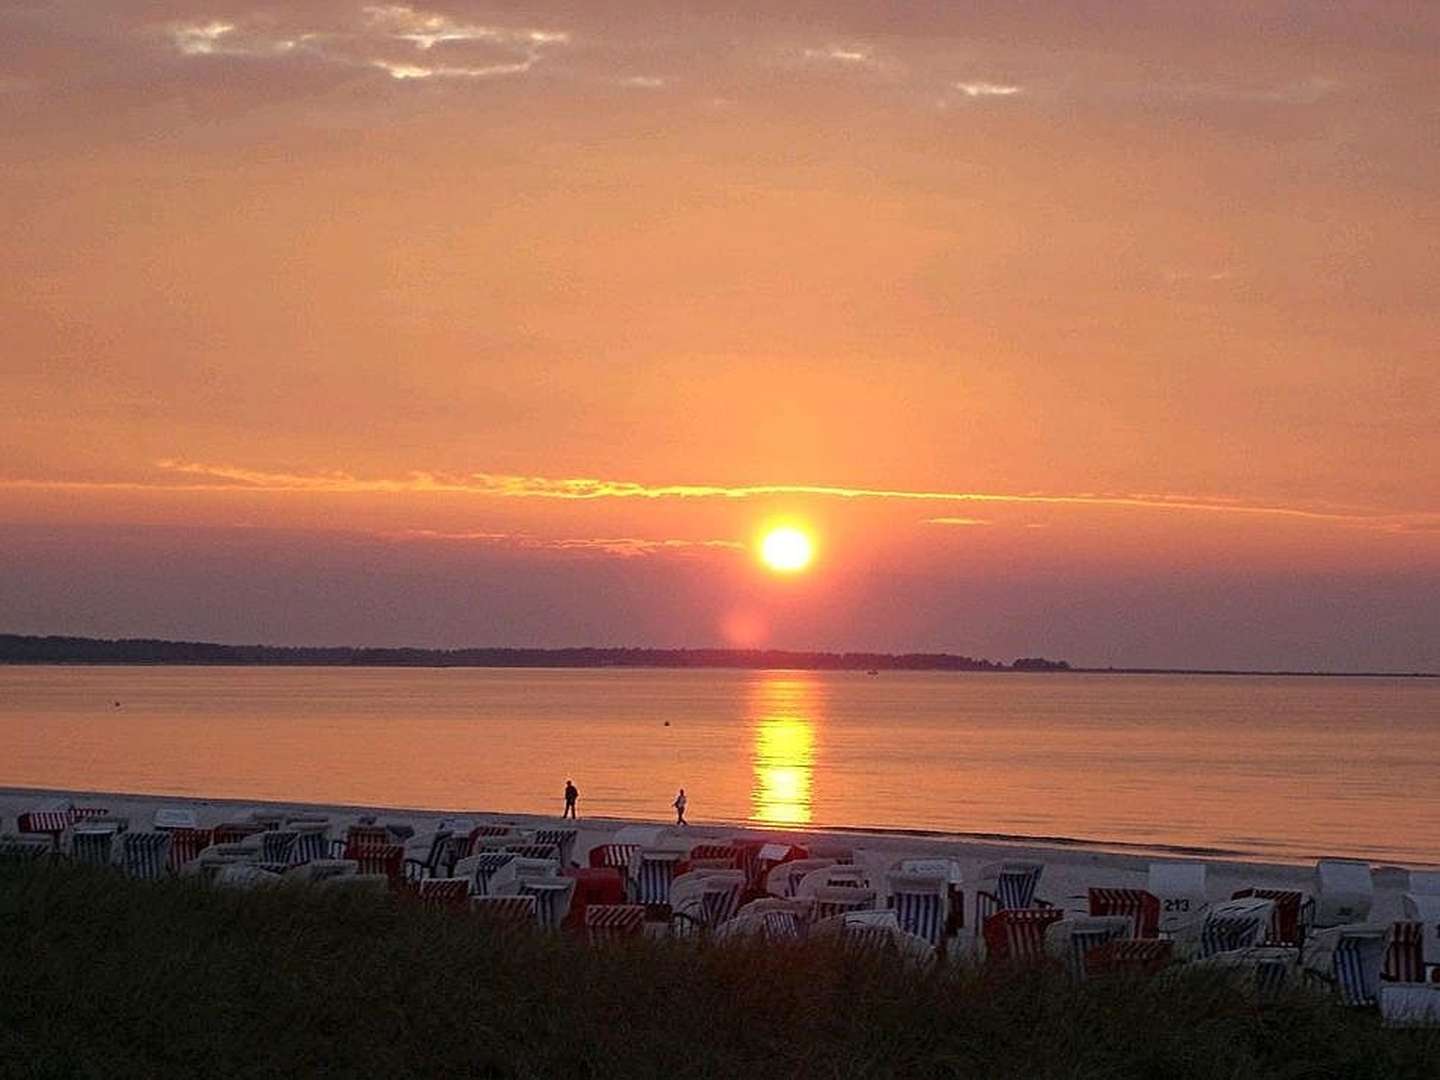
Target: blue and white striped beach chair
[[552, 899], [835, 900], [23, 849], [1230, 926], [277, 848], [651, 875], [1071, 940], [312, 842], [145, 855], [1013, 889], [481, 869], [95, 846], [1358, 956], [920, 901]]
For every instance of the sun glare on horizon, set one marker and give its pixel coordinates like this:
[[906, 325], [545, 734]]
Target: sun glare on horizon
[[786, 550]]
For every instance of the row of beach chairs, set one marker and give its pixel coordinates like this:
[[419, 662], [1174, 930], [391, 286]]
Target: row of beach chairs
[[643, 882]]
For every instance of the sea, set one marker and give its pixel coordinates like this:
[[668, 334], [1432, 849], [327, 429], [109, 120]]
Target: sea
[[1284, 768]]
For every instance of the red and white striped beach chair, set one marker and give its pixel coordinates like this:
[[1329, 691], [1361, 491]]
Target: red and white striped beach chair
[[1138, 905], [1405, 955], [1017, 935], [50, 823], [387, 859], [613, 922], [186, 845], [511, 912], [451, 894], [727, 856], [1130, 956], [613, 856]]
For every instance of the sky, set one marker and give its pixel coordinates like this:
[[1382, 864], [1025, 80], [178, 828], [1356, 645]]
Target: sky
[[1101, 331]]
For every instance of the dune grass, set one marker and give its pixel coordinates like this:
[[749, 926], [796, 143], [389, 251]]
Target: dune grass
[[103, 977]]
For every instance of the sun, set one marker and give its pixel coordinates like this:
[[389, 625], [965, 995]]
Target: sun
[[786, 550]]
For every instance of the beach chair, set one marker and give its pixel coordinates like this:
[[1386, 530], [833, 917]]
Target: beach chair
[[94, 845], [1017, 935], [277, 846], [602, 885], [245, 876], [145, 855], [452, 894], [727, 855], [562, 839], [1265, 969], [387, 859], [784, 879], [1409, 1005], [370, 884], [838, 853], [1142, 908], [1293, 911], [1130, 956], [312, 841], [1181, 889], [489, 831], [833, 900], [836, 875], [702, 900], [1349, 959], [613, 922], [24, 850], [233, 832], [1235, 924], [437, 861], [612, 856], [1012, 888], [78, 814], [1071, 939], [49, 823], [535, 851], [1344, 892], [920, 903], [175, 817], [482, 869], [268, 819], [1405, 955], [515, 912], [186, 845], [650, 877], [552, 899], [949, 869], [320, 870], [758, 861]]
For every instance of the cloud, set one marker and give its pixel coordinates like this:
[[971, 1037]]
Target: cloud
[[415, 71], [957, 521], [643, 82], [988, 89], [625, 547], [390, 38], [204, 477], [841, 54]]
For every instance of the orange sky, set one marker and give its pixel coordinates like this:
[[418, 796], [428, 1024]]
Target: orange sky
[[1026, 308]]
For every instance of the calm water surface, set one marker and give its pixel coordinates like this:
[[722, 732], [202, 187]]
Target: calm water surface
[[1282, 767]]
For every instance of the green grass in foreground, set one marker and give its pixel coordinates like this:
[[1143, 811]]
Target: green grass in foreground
[[104, 977]]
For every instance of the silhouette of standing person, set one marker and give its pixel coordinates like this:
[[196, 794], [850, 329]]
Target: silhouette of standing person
[[571, 794], [679, 805]]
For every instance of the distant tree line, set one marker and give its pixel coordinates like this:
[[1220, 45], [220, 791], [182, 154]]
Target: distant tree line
[[24, 649]]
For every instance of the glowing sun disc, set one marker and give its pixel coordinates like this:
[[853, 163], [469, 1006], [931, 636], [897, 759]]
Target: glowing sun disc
[[786, 550]]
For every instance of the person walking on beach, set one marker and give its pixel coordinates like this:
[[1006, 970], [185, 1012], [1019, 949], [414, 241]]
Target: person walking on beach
[[679, 805], [571, 794]]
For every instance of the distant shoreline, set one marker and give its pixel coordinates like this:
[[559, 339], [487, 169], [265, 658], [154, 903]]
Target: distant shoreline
[[55, 651]]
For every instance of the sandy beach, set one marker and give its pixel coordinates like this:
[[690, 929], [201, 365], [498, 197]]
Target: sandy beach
[[1070, 869]]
